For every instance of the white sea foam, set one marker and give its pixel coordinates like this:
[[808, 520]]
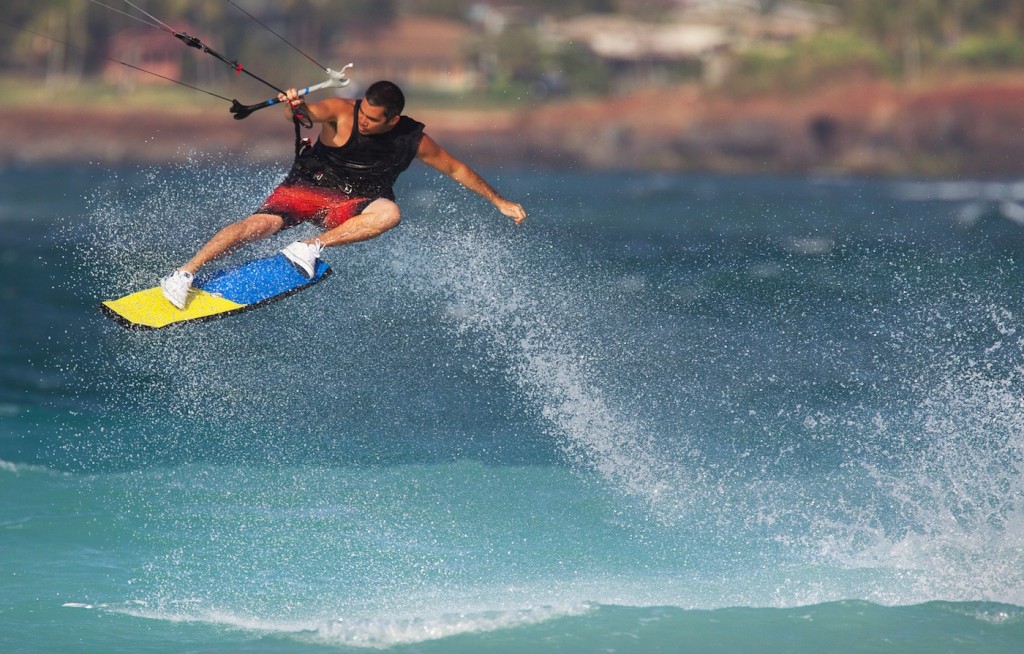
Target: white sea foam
[[960, 191], [533, 318], [139, 226], [516, 298], [948, 480], [957, 525], [365, 631], [389, 632], [17, 468]]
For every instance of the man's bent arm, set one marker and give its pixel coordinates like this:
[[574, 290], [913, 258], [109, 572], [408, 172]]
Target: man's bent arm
[[319, 112], [438, 158]]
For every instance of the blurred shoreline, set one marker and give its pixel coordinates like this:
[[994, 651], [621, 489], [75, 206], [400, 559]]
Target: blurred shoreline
[[858, 127]]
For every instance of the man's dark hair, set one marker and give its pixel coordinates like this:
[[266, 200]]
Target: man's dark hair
[[387, 95]]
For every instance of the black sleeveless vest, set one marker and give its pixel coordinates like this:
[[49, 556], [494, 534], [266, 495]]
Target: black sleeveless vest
[[366, 166]]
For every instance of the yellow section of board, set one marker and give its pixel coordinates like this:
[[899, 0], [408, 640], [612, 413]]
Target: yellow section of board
[[149, 308]]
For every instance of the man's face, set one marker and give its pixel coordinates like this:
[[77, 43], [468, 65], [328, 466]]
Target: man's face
[[372, 119]]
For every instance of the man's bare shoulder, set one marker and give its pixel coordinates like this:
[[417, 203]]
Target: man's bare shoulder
[[344, 102], [332, 108]]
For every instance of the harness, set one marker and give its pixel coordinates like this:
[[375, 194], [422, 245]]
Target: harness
[[310, 169]]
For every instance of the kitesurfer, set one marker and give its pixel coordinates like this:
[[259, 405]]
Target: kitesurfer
[[343, 183]]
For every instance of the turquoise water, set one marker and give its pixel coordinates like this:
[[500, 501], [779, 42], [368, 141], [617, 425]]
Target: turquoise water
[[666, 414]]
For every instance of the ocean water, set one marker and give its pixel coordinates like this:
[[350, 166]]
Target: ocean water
[[668, 413]]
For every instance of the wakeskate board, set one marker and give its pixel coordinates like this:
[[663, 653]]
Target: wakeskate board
[[216, 295]]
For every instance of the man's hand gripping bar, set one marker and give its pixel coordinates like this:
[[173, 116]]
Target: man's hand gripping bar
[[336, 80]]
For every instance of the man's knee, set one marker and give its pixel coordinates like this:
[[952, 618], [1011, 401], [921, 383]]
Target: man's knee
[[386, 213]]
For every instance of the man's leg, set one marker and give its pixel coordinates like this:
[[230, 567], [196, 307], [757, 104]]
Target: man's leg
[[378, 217], [177, 286], [254, 228]]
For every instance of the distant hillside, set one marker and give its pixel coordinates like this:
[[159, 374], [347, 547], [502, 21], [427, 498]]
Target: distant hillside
[[968, 128]]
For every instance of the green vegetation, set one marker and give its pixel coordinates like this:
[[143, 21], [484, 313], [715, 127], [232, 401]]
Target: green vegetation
[[523, 66], [87, 27], [16, 91], [919, 35], [823, 58], [880, 38], [988, 52]]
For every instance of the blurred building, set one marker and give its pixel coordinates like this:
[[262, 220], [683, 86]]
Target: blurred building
[[421, 53], [757, 20], [138, 47], [699, 35], [643, 50]]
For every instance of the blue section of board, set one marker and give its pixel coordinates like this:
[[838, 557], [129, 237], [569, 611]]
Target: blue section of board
[[259, 280]]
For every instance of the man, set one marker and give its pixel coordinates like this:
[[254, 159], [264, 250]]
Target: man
[[342, 183]]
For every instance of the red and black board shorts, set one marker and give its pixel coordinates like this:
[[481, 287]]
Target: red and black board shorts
[[299, 203]]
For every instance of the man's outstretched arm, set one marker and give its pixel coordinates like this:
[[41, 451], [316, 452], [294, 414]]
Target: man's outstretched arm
[[438, 158]]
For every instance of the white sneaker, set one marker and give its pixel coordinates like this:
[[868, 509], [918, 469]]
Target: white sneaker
[[304, 256], [176, 286]]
